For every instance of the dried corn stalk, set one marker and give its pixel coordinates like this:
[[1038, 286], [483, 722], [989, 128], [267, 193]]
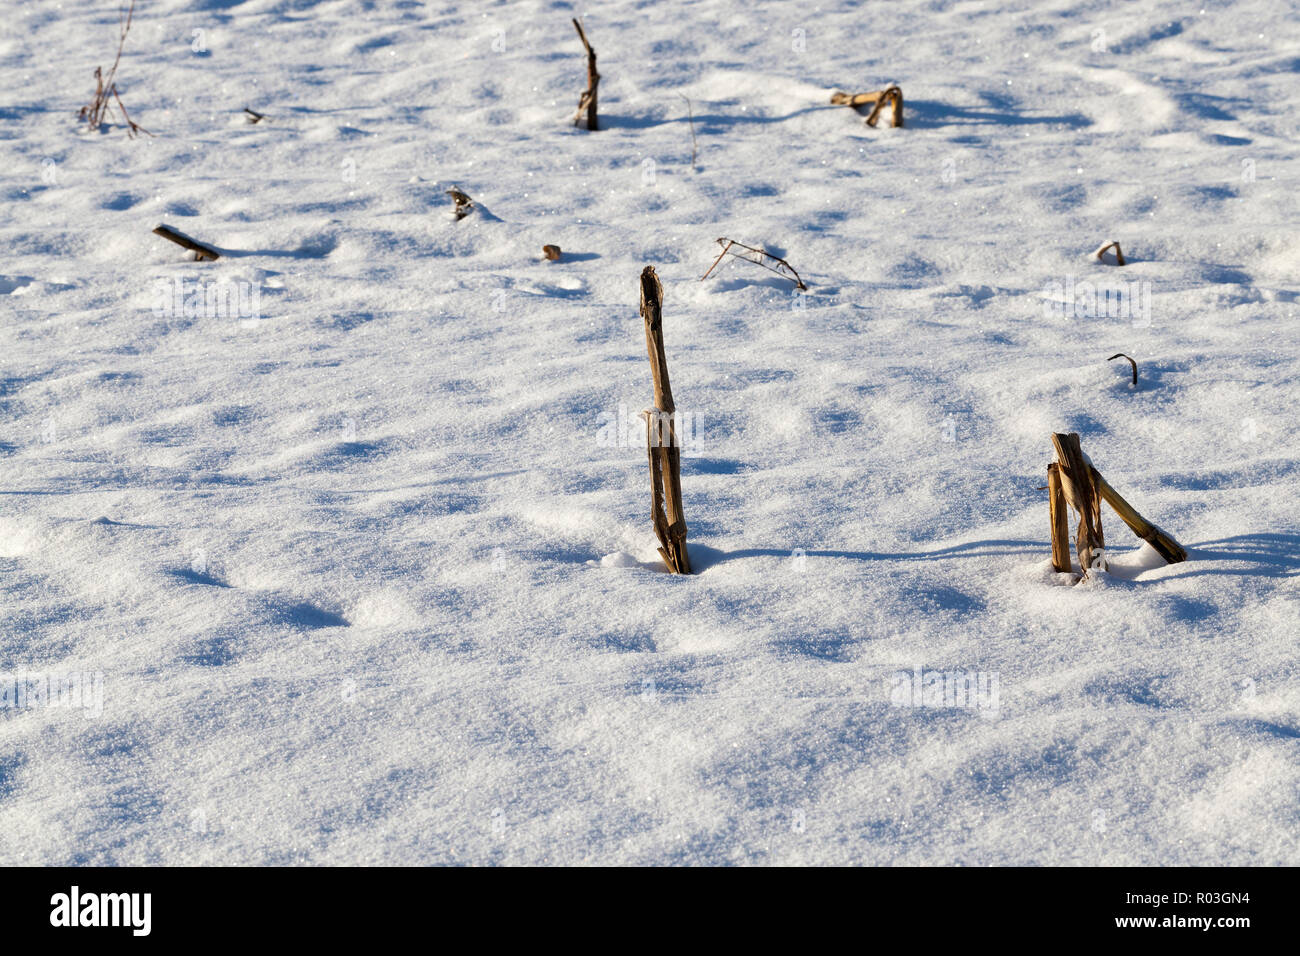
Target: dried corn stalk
[[587, 102], [201, 251], [1101, 252], [891, 96], [1164, 544], [661, 436], [1073, 479], [1075, 475], [1060, 520]]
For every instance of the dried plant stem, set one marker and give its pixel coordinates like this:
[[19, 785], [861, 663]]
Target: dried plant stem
[[1119, 256], [1075, 475], [690, 118], [1164, 544], [1060, 520], [200, 251], [587, 102], [758, 257], [96, 111], [661, 436], [1073, 478], [891, 96], [1130, 362], [463, 203]]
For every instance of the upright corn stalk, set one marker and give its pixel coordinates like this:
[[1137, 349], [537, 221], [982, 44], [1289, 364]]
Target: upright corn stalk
[[587, 102], [661, 436], [1075, 475], [1060, 517]]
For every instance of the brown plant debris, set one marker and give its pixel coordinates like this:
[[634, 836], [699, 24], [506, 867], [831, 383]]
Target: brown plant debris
[[1130, 362], [201, 251], [587, 102], [690, 118], [1074, 480], [463, 203], [1101, 252], [891, 96], [1075, 475], [661, 436], [96, 111], [759, 257]]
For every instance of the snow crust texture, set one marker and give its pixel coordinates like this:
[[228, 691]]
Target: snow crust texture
[[338, 549]]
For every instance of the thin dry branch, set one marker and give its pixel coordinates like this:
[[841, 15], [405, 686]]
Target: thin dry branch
[[587, 101], [690, 118], [201, 252], [254, 116], [758, 257], [96, 111]]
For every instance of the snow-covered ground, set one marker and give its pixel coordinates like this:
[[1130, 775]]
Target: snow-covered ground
[[361, 569]]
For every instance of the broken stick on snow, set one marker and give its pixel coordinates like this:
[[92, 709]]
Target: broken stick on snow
[[588, 99], [200, 251], [890, 96], [661, 436]]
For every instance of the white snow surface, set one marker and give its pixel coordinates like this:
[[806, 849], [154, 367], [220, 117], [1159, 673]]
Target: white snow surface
[[368, 570]]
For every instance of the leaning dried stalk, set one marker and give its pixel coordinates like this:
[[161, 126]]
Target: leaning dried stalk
[[1164, 544], [1130, 362], [690, 118], [201, 251]]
